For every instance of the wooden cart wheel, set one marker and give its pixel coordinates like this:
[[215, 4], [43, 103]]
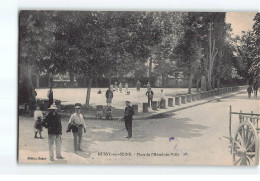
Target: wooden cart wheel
[[245, 147]]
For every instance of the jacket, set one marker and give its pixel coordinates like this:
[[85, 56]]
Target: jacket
[[53, 124], [107, 94], [129, 112]]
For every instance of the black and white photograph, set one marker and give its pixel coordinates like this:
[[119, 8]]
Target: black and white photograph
[[138, 88]]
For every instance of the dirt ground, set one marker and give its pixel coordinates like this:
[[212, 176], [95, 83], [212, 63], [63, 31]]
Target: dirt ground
[[194, 136]]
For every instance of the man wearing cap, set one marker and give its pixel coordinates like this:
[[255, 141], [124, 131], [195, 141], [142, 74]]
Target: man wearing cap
[[129, 112], [78, 123], [53, 123]]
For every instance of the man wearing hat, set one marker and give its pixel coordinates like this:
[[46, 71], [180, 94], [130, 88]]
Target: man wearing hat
[[129, 112], [77, 123], [53, 123]]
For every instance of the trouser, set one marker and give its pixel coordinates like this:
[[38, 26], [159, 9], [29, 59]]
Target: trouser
[[150, 100], [77, 138], [50, 102], [57, 139], [249, 94], [255, 92], [128, 126]]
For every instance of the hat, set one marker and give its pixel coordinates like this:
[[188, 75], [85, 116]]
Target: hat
[[77, 106], [127, 101], [53, 106]]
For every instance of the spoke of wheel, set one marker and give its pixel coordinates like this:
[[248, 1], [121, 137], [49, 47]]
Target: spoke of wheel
[[238, 161], [243, 134], [246, 137], [248, 158], [239, 145], [243, 161], [249, 139], [250, 153], [241, 139], [251, 145]]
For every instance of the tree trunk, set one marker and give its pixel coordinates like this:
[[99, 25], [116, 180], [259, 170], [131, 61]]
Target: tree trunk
[[150, 69], [203, 84], [88, 91], [190, 84], [198, 84], [109, 81], [71, 79], [37, 80], [163, 80], [96, 81], [218, 83], [49, 80], [213, 82], [85, 81]]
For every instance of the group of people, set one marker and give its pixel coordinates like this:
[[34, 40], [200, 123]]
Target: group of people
[[252, 89], [76, 125]]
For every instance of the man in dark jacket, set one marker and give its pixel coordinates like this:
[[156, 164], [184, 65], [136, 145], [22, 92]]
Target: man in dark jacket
[[129, 112], [255, 89], [149, 94], [109, 96], [53, 123]]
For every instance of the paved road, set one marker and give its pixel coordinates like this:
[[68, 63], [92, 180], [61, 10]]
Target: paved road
[[197, 138]]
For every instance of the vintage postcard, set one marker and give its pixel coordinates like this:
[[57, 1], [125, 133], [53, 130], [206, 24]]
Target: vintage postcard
[[138, 88]]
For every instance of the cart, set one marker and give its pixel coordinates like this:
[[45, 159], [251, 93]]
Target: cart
[[245, 143]]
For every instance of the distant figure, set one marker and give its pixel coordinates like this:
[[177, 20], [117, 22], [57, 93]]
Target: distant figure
[[149, 95], [109, 113], [50, 97], [249, 91], [111, 87], [38, 117], [115, 86], [99, 113], [148, 86], [128, 117], [255, 89], [162, 95], [138, 86], [120, 87], [126, 87], [127, 93], [109, 96], [99, 91]]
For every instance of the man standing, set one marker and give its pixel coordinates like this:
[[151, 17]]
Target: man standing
[[148, 86], [149, 94], [120, 87], [126, 87], [50, 96], [109, 96], [129, 112], [162, 95], [53, 123], [77, 124], [138, 85], [249, 91]]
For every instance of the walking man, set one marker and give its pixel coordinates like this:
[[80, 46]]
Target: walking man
[[126, 87], [77, 125], [50, 96], [129, 112], [53, 123], [149, 94]]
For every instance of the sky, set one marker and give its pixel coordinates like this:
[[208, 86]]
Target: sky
[[240, 21]]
